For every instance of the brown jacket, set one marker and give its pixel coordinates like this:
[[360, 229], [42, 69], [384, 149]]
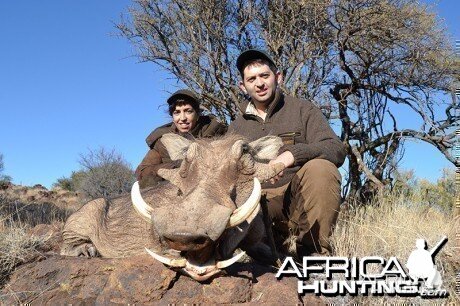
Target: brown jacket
[[157, 157], [303, 128]]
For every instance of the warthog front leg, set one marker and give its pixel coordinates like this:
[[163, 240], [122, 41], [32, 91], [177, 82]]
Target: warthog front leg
[[82, 250], [81, 228]]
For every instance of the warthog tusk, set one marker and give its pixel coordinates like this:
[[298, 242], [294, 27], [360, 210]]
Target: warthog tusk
[[229, 262], [178, 263], [243, 212], [139, 204]]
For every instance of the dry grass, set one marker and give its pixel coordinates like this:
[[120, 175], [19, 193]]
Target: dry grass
[[17, 245], [390, 227]]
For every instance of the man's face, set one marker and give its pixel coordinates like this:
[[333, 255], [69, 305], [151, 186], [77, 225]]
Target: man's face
[[184, 118], [260, 83]]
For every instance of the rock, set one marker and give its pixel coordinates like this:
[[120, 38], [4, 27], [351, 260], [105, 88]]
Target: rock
[[5, 185], [39, 186], [59, 280], [32, 206], [62, 280], [51, 235], [38, 194], [269, 290], [219, 290], [45, 193], [53, 279]]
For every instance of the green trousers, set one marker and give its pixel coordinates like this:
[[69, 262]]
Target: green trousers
[[307, 207]]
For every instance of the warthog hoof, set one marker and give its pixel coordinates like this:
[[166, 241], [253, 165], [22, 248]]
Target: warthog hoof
[[82, 250]]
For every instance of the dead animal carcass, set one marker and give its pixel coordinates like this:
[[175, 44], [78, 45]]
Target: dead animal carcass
[[195, 219]]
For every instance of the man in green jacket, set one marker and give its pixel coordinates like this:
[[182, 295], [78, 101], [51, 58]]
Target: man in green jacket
[[304, 198]]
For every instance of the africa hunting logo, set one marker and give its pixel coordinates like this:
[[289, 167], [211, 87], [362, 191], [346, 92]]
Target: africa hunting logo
[[422, 278]]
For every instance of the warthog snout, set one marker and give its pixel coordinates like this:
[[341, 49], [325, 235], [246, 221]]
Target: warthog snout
[[187, 241]]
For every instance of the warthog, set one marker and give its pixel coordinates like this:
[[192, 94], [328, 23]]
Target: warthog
[[196, 219]]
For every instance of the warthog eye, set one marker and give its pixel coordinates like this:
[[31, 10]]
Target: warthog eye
[[233, 194]]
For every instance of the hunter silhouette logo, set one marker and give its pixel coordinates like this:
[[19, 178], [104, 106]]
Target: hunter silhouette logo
[[420, 277], [421, 265]]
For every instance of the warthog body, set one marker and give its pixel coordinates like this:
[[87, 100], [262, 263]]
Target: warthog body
[[195, 219]]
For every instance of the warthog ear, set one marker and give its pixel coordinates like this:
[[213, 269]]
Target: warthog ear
[[237, 149], [266, 148], [176, 145]]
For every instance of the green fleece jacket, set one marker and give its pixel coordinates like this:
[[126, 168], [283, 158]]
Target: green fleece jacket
[[302, 126]]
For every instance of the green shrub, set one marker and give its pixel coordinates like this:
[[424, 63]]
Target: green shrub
[[64, 183], [440, 194], [71, 183], [4, 179], [104, 173]]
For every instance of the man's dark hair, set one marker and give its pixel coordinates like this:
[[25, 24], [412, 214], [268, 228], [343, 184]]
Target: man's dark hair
[[254, 56], [183, 101], [257, 61]]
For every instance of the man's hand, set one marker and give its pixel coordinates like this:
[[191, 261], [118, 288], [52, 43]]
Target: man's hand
[[287, 159]]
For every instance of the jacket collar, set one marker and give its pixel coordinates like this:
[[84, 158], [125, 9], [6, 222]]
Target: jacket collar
[[250, 109]]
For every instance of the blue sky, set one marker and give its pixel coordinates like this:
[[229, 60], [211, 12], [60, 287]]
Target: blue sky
[[67, 84]]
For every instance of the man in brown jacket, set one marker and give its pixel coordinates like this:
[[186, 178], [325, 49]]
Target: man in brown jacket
[[184, 108], [304, 199]]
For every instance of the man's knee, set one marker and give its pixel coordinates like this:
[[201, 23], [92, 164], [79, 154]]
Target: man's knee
[[318, 175], [316, 186], [317, 193]]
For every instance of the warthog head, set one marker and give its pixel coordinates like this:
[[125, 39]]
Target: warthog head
[[212, 203]]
